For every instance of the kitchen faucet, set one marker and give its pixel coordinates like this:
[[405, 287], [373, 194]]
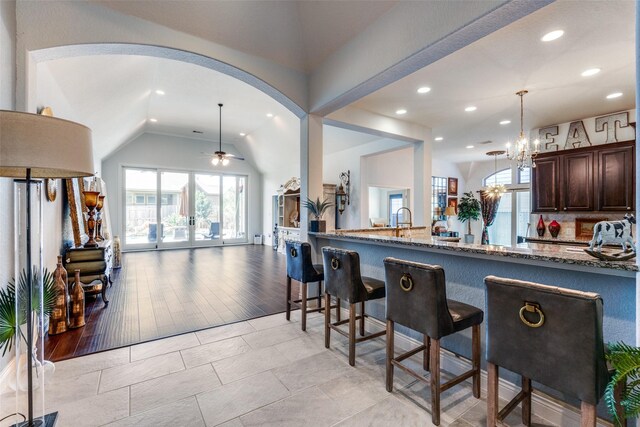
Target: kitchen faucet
[[398, 223]]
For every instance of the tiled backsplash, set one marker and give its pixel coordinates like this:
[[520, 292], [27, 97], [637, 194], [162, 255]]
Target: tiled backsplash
[[568, 223]]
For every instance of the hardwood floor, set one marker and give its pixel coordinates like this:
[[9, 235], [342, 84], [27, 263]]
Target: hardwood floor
[[163, 293]]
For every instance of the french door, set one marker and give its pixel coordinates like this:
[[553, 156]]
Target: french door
[[169, 209]]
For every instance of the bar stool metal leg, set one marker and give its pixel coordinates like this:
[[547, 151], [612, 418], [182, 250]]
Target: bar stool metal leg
[[362, 318], [435, 381], [338, 309], [320, 294], [303, 308], [352, 334], [390, 355], [288, 293]]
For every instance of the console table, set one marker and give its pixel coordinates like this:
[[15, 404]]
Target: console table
[[94, 265]]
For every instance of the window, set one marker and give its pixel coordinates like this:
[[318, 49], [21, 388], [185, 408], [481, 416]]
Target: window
[[438, 196], [139, 199], [500, 177], [524, 176], [395, 203], [151, 200], [167, 199]]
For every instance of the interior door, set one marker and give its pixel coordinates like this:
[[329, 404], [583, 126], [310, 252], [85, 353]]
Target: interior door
[[206, 208]]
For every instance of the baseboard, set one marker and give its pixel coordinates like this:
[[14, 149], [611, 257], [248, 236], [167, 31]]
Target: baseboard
[[544, 406]]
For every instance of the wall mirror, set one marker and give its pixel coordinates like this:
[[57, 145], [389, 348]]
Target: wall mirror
[[384, 202]]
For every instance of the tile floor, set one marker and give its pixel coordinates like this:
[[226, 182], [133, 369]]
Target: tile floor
[[264, 371]]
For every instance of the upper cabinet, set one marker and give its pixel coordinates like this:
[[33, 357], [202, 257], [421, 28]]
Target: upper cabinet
[[597, 178]]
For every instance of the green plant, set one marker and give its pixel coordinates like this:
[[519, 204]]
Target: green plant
[[317, 208], [625, 359], [469, 209], [10, 320]]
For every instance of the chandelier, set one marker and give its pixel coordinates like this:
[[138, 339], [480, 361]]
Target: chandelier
[[522, 153], [495, 190]]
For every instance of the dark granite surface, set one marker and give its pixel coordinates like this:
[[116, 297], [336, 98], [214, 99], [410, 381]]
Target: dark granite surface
[[531, 251]]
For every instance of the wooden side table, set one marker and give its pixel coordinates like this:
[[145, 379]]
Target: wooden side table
[[94, 265]]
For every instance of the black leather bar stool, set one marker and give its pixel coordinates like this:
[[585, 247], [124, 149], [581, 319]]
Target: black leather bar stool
[[545, 334], [343, 280], [417, 299], [301, 268]]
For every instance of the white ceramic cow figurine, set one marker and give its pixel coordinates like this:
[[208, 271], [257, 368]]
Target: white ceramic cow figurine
[[613, 232]]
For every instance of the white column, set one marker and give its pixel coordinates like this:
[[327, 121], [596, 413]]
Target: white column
[[310, 166], [422, 181]]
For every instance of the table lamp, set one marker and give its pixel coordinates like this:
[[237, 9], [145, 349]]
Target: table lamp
[[449, 212], [33, 147]]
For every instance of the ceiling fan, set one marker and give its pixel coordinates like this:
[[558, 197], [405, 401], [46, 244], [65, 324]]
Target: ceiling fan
[[220, 156]]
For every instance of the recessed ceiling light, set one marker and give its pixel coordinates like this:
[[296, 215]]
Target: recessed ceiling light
[[469, 146], [160, 92], [153, 120], [269, 115], [401, 111], [553, 35], [470, 108], [242, 134], [505, 122], [614, 95], [590, 72], [438, 138], [424, 89]]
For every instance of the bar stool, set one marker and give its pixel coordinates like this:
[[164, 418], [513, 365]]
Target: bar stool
[[343, 280], [545, 334], [302, 269], [417, 299]]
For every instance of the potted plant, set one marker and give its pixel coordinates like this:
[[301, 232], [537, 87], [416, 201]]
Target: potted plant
[[317, 209], [469, 210], [625, 359]]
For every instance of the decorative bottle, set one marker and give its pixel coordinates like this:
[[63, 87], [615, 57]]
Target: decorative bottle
[[540, 228], [554, 228], [58, 321], [76, 315], [117, 253]]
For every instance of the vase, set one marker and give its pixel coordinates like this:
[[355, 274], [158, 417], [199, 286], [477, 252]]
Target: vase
[[554, 228], [76, 312], [317, 226], [58, 321], [540, 228], [117, 252], [469, 238]]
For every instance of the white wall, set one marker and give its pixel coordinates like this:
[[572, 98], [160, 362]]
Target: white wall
[[354, 159], [175, 153], [276, 151]]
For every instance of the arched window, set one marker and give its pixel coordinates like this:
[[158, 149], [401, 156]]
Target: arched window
[[500, 177]]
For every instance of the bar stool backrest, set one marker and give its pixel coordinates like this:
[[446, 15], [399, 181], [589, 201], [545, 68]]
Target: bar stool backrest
[[342, 277], [299, 263], [417, 297], [548, 334]]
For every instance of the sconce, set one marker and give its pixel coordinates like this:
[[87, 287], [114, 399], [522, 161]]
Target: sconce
[[342, 193]]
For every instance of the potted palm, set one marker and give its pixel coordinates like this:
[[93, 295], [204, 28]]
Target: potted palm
[[469, 210], [317, 209], [625, 359]]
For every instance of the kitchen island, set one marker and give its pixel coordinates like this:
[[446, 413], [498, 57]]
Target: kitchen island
[[466, 266]]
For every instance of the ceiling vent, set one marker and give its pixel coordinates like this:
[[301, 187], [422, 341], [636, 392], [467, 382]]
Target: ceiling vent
[[484, 142], [197, 131]]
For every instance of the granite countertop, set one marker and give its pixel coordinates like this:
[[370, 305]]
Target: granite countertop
[[557, 240], [531, 251]]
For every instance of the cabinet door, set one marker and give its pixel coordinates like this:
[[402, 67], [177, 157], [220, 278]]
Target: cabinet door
[[615, 176], [544, 185], [577, 181]]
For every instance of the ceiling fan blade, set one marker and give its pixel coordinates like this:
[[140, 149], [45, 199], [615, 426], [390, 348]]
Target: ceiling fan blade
[[233, 156]]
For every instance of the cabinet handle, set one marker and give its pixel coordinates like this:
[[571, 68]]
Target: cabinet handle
[[555, 209], [564, 209], [628, 208]]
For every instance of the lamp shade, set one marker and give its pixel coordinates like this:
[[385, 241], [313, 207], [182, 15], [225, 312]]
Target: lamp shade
[[50, 147], [450, 211]]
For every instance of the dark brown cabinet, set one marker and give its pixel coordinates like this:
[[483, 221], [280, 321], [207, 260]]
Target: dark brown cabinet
[[616, 179], [544, 185], [589, 179]]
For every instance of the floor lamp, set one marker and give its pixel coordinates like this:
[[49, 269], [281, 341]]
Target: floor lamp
[[33, 147]]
